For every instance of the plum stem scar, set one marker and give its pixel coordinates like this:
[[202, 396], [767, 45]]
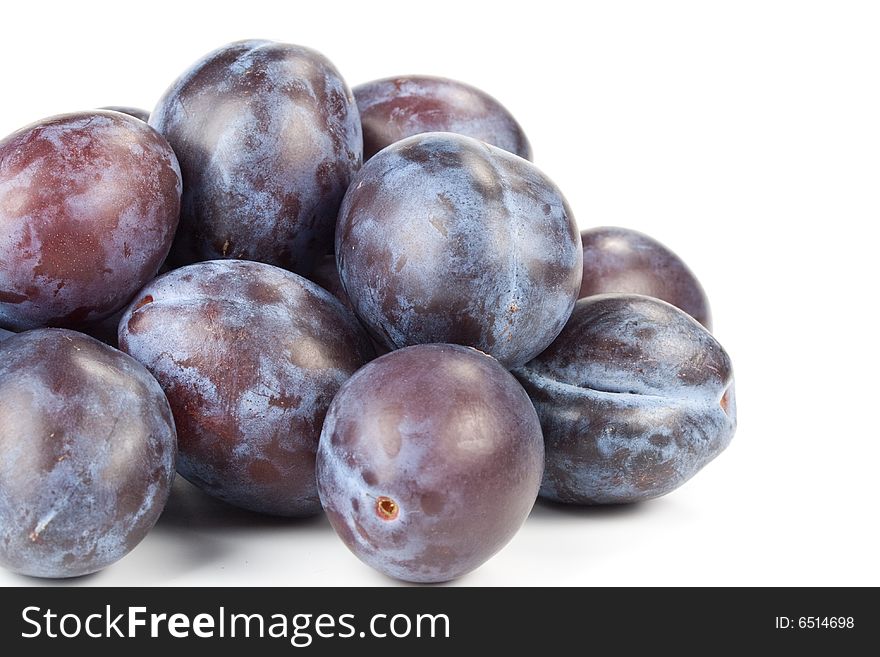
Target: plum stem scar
[[386, 508]]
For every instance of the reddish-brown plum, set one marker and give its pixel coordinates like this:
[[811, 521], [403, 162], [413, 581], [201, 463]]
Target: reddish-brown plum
[[395, 108], [623, 261], [443, 238], [250, 356], [634, 396], [429, 462], [268, 137], [88, 208], [87, 449], [136, 112]]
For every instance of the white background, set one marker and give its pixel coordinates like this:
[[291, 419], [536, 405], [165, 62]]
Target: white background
[[745, 135]]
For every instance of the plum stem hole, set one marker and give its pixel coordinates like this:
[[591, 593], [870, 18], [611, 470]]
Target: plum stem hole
[[725, 402], [386, 508], [143, 302]]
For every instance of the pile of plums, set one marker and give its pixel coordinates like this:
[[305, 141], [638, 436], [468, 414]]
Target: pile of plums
[[242, 266]]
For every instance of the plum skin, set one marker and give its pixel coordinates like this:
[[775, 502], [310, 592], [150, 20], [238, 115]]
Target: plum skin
[[624, 261], [392, 109], [249, 356], [88, 453], [443, 238], [268, 137], [326, 275], [634, 396], [89, 204], [430, 460], [136, 112]]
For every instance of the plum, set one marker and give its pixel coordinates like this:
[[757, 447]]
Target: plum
[[5, 334], [268, 136], [394, 108], [136, 112], [624, 261], [89, 204], [429, 462], [634, 396], [87, 450], [250, 356], [443, 238]]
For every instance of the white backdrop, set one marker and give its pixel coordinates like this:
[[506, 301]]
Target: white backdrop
[[744, 135]]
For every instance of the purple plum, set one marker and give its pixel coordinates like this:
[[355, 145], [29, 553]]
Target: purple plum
[[429, 462], [250, 357], [89, 204], [634, 396], [443, 238], [87, 451], [268, 136], [395, 108], [623, 261]]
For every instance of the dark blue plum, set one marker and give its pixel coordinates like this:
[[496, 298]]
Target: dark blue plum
[[395, 108], [623, 261], [268, 137], [429, 462], [87, 450], [5, 334], [250, 357], [634, 396], [443, 238]]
